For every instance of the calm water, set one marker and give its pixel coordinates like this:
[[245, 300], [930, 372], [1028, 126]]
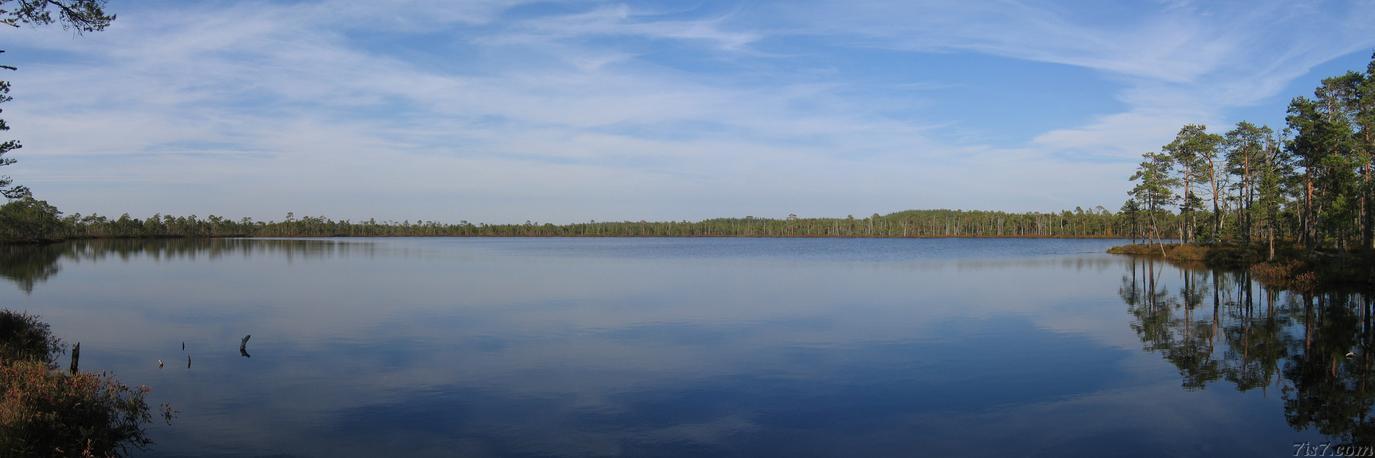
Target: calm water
[[367, 347]]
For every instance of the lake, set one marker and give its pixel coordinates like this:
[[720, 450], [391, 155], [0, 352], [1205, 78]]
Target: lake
[[708, 346]]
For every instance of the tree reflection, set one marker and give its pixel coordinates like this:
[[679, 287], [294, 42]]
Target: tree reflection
[[1315, 349], [30, 264], [27, 265]]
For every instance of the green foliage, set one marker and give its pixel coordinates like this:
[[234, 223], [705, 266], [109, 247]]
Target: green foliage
[[1154, 182], [1314, 183], [1131, 214], [24, 338], [1153, 189], [1326, 147], [78, 15], [1244, 148], [1195, 151], [30, 220]]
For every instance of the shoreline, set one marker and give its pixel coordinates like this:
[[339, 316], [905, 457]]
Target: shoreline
[[1291, 268], [548, 236]]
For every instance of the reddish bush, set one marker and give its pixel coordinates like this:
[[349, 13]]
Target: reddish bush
[[47, 412], [44, 412], [1290, 274]]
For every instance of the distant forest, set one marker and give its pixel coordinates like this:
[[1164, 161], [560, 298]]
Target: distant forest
[[32, 220]]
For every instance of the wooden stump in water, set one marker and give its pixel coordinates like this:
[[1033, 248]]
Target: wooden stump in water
[[76, 356]]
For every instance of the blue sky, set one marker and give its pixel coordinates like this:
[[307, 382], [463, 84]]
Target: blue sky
[[506, 111]]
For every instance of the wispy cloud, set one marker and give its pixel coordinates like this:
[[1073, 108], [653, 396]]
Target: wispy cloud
[[622, 21], [505, 111]]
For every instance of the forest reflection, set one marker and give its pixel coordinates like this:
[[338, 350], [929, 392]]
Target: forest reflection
[[1222, 327], [30, 264]]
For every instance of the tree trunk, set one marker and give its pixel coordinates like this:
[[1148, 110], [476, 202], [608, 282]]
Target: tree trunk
[[76, 357], [1217, 212], [1308, 225], [1245, 201], [1271, 255], [1187, 213], [1368, 223], [1155, 234]]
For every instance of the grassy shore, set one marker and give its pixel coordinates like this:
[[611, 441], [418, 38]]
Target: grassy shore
[[1291, 267]]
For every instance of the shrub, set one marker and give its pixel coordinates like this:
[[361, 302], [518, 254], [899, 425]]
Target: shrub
[[47, 412], [1141, 249], [44, 412], [24, 338], [1291, 274], [1189, 252], [1231, 256]]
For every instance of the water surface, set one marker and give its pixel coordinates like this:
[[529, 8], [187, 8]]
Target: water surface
[[666, 347]]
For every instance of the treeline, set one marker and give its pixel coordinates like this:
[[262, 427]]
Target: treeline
[[30, 220], [1309, 182]]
